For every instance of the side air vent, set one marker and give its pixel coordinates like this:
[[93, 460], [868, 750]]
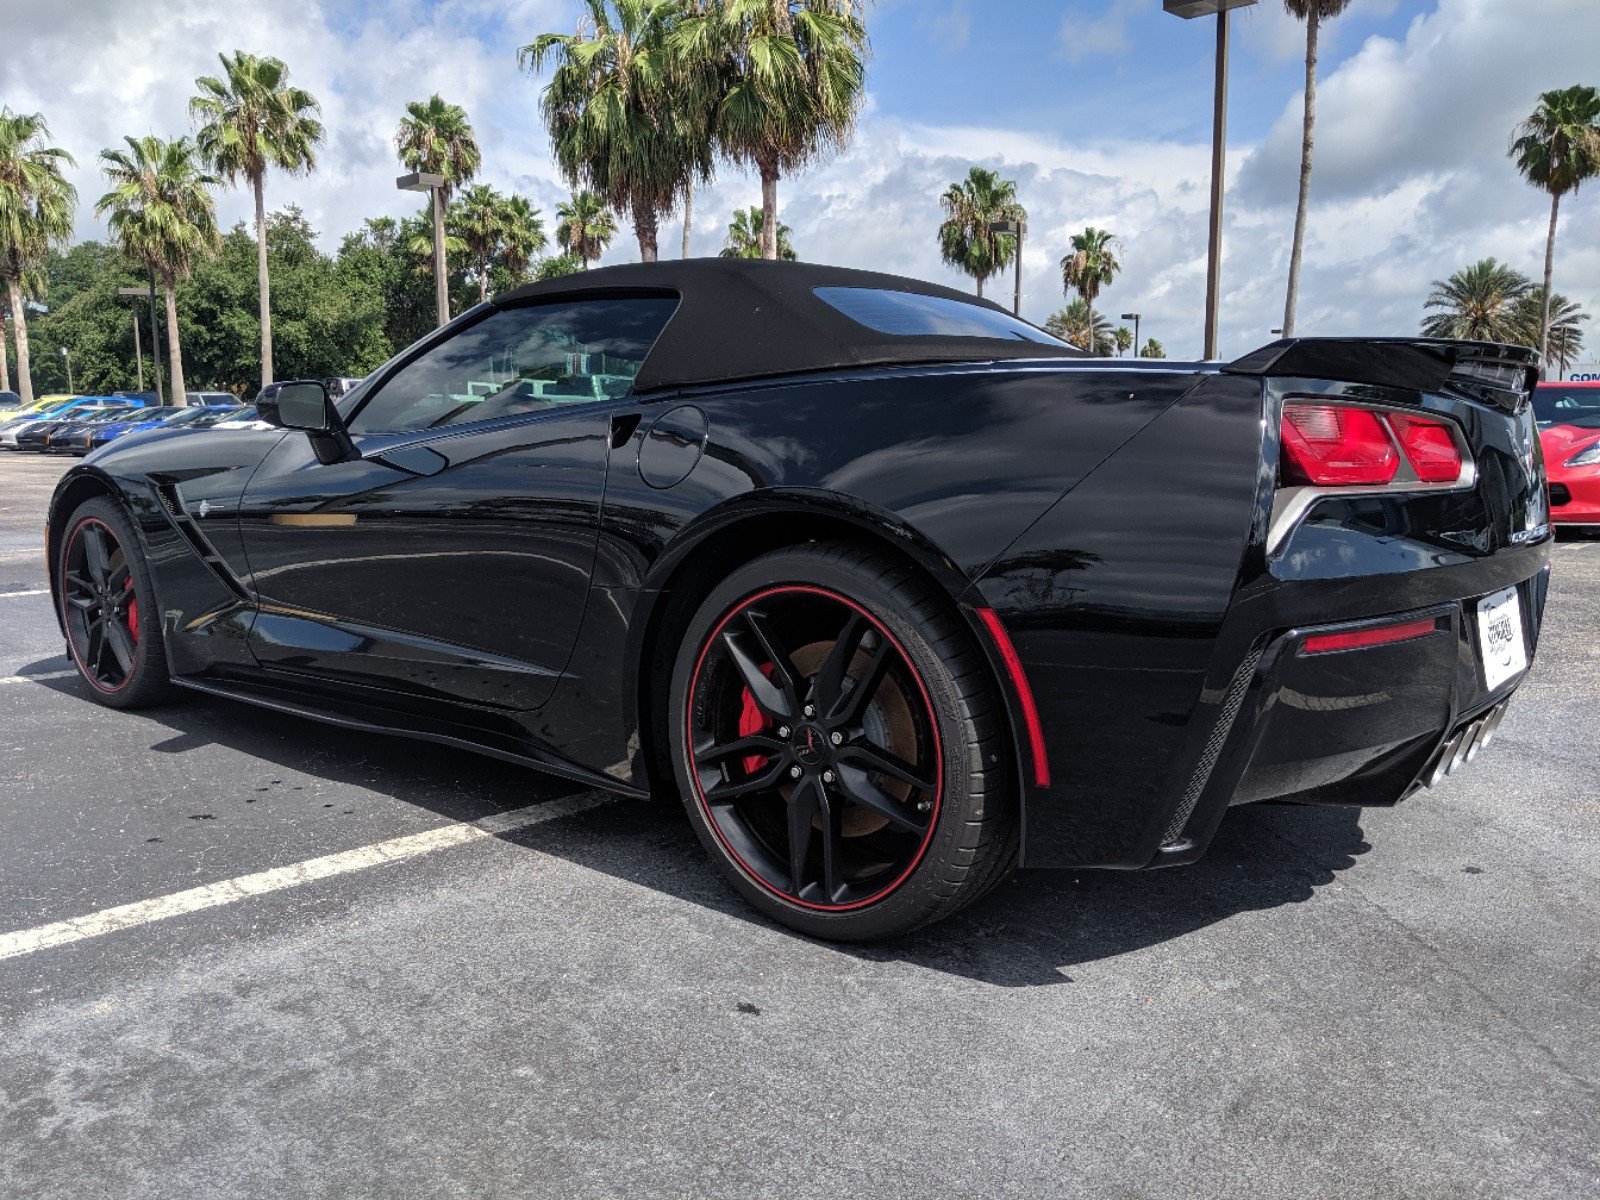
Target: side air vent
[[1231, 704]]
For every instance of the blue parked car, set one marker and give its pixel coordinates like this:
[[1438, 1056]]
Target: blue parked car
[[194, 416]]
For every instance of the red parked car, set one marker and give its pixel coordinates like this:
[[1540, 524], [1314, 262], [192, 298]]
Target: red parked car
[[1569, 427]]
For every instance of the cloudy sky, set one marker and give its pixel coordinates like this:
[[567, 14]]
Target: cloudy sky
[[1100, 109]]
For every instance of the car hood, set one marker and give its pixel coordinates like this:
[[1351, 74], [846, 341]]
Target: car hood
[[1561, 442]]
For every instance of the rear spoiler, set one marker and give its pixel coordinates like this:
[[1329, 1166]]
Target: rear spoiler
[[1495, 374]]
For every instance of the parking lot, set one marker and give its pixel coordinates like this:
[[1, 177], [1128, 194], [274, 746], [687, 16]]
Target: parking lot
[[565, 1001]]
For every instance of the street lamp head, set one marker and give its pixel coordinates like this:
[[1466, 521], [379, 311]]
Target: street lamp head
[[419, 181], [1014, 228], [1130, 316], [1189, 9]]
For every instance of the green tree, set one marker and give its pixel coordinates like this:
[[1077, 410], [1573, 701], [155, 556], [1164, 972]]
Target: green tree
[[521, 238], [1124, 337], [478, 219], [1483, 302], [1071, 324], [746, 236], [624, 109], [557, 265], [436, 137], [162, 214], [1153, 349], [1313, 13], [36, 208], [251, 119], [86, 316], [1556, 149], [586, 227], [1092, 265], [1564, 320], [965, 239], [789, 81]]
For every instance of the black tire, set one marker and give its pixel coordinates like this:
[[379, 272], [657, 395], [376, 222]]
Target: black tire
[[143, 679], [970, 834]]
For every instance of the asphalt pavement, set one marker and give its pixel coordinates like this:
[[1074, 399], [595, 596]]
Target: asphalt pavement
[[396, 970]]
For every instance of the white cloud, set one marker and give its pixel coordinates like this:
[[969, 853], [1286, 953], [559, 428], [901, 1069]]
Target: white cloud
[[1098, 36], [949, 27]]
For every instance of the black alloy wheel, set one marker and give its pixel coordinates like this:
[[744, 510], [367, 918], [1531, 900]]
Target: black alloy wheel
[[107, 610], [823, 739]]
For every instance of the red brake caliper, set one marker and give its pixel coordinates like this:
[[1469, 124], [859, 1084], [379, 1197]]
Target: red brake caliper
[[751, 722], [133, 618]]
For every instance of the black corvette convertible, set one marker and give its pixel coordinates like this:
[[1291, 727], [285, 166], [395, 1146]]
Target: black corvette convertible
[[897, 591]]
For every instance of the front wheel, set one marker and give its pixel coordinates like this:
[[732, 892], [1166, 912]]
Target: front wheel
[[839, 745], [108, 608]]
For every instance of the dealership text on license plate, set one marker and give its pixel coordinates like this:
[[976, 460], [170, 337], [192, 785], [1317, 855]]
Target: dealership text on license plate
[[1500, 637]]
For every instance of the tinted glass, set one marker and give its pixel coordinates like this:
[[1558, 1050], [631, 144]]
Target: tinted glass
[[1567, 406], [906, 314], [520, 360]]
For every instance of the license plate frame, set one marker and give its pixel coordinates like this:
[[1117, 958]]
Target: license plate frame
[[1502, 638]]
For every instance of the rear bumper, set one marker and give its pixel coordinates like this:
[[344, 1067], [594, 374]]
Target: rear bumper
[[1365, 726]]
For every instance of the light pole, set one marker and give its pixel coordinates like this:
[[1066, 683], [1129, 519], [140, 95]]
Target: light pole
[[155, 346], [422, 181], [67, 358], [1188, 9], [1134, 317], [1016, 229]]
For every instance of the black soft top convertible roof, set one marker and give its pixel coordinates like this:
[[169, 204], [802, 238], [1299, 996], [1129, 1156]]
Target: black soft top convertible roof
[[749, 318]]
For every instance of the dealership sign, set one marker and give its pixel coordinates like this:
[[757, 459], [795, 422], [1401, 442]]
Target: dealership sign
[[1585, 373]]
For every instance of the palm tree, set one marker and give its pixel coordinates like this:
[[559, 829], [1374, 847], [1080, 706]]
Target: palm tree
[[36, 208], [1558, 149], [478, 218], [1153, 349], [251, 119], [965, 240], [1071, 324], [1481, 302], [790, 79], [1092, 265], [162, 215], [1124, 337], [624, 109], [521, 237], [437, 138], [1564, 320], [587, 226], [1313, 13], [746, 236]]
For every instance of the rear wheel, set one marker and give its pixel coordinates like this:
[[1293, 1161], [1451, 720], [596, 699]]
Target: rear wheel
[[109, 609], [839, 745]]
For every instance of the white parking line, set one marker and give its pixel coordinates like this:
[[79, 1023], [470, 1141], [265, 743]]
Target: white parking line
[[29, 592], [5, 679], [212, 895]]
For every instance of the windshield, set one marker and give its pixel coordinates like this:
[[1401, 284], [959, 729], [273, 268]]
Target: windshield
[[1556, 405]]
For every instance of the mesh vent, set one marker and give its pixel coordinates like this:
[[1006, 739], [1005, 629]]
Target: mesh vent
[[1208, 757]]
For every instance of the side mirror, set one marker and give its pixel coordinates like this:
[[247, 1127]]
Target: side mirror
[[304, 406]]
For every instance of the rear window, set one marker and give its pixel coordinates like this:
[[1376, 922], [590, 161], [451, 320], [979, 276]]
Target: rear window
[[907, 314], [1567, 406]]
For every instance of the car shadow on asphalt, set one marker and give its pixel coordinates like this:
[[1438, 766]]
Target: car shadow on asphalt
[[1030, 932]]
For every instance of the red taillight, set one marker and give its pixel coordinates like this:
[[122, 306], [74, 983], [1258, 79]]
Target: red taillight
[[1429, 447], [1334, 445], [1355, 639]]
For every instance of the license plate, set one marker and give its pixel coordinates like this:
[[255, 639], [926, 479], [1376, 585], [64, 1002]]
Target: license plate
[[1500, 641]]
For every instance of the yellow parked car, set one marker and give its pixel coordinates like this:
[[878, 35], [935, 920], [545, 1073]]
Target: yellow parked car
[[32, 412]]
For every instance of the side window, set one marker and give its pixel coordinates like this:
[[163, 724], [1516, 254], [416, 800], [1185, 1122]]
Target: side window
[[517, 360]]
